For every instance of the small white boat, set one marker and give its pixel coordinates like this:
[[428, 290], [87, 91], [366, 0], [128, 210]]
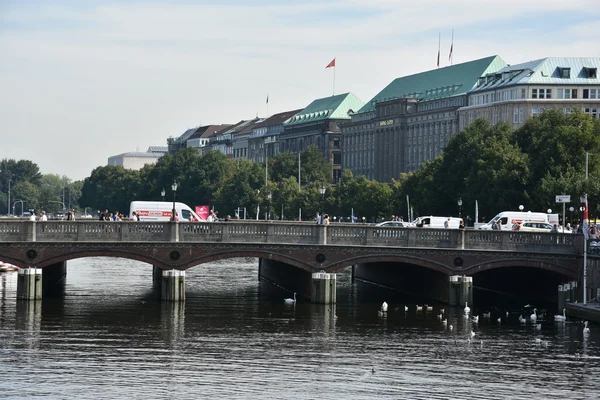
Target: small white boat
[[6, 267]]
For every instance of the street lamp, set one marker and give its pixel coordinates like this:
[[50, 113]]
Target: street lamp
[[174, 187], [322, 191], [571, 209], [269, 197], [521, 207], [163, 193], [19, 201], [459, 207]]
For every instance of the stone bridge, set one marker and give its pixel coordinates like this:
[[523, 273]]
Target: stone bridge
[[293, 255]]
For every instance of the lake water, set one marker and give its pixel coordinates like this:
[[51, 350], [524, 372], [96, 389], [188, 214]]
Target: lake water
[[108, 337]]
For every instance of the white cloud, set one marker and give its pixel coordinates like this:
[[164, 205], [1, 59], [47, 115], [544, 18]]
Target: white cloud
[[89, 83]]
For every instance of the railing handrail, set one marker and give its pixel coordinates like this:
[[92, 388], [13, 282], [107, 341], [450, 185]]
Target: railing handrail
[[287, 232]]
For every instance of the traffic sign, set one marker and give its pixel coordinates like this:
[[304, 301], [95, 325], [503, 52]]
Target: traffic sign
[[565, 198]]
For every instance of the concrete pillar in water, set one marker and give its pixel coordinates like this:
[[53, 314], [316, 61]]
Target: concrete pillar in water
[[567, 290], [466, 290], [173, 285], [29, 284], [323, 288], [562, 295], [573, 291], [157, 275], [453, 290]]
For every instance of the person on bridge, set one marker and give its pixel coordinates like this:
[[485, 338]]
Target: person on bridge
[[43, 216]]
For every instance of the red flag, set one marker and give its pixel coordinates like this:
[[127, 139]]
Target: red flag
[[331, 64], [586, 220]]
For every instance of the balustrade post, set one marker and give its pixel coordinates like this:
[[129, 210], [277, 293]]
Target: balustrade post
[[81, 229], [270, 234], [30, 233], [124, 232], [225, 232]]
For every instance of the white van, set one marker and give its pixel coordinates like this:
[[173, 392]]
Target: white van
[[509, 218], [437, 222], [161, 211]]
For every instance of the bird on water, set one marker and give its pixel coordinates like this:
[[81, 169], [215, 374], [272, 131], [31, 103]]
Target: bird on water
[[290, 301]]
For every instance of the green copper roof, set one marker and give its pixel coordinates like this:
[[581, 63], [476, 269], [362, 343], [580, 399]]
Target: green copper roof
[[334, 107], [438, 83]]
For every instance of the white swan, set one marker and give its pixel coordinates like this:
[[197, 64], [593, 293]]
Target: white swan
[[499, 320], [384, 306], [467, 309], [475, 319], [290, 301], [586, 329], [419, 308], [472, 334], [451, 328], [442, 310], [533, 316], [522, 320], [561, 318], [428, 308], [405, 308], [487, 314]]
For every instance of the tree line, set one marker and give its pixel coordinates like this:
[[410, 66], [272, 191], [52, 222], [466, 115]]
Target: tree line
[[496, 166]]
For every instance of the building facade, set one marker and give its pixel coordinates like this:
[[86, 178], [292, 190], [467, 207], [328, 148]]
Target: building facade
[[320, 124], [137, 160], [264, 139], [410, 121], [521, 91]]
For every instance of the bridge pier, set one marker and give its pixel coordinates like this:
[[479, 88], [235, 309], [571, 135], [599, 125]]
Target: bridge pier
[[29, 284], [324, 288], [460, 290], [173, 285]]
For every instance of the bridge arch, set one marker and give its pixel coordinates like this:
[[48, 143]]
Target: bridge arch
[[390, 258], [161, 260], [548, 265]]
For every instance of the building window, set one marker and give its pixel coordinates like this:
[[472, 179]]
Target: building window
[[565, 72], [592, 72], [567, 110], [591, 93], [523, 93], [534, 112], [516, 116], [541, 93], [521, 115], [567, 93]]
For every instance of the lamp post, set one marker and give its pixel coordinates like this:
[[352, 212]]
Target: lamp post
[[322, 191], [521, 207], [8, 204], [269, 197], [19, 201], [174, 187], [459, 202], [163, 193], [571, 219]]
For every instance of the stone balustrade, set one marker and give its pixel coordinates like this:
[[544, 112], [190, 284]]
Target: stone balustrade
[[250, 231]]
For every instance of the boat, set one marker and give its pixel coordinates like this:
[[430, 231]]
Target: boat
[[6, 267]]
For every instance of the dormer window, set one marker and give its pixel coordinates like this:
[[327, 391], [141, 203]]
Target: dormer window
[[591, 72], [564, 72]]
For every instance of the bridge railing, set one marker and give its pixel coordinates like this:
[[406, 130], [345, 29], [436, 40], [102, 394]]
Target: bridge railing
[[287, 233]]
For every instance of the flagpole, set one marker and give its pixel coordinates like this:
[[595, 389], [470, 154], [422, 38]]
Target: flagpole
[[267, 106], [439, 47], [452, 49], [333, 79]]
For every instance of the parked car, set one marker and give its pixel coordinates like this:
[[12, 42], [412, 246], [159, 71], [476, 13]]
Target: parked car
[[396, 224], [535, 227]]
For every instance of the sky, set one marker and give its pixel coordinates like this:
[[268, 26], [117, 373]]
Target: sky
[[83, 80]]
